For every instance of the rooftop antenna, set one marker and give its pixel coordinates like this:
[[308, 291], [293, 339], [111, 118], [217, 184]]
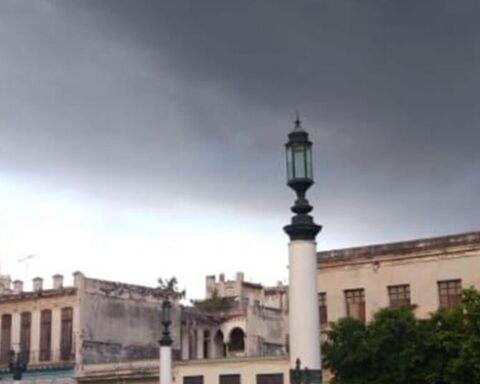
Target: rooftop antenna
[[26, 260]]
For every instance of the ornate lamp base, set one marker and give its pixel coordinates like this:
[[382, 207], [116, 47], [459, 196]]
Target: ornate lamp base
[[305, 376]]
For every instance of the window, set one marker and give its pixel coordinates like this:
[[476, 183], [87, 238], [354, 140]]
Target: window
[[271, 378], [449, 292], [399, 295], [355, 303], [206, 344], [193, 380], [237, 340], [66, 335], [6, 338], [45, 335], [25, 331], [322, 309], [229, 379]]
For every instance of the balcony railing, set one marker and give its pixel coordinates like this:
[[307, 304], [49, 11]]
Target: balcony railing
[[39, 357]]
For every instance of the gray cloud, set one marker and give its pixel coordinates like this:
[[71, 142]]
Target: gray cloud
[[139, 101]]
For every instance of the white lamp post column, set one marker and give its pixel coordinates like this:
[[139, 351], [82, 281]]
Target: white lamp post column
[[304, 327], [165, 342]]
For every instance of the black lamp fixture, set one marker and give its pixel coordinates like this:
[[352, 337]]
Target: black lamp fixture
[[300, 178], [17, 364], [166, 340]]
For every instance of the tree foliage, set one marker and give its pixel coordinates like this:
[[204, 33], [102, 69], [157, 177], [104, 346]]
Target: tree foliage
[[397, 348], [215, 303], [169, 288]]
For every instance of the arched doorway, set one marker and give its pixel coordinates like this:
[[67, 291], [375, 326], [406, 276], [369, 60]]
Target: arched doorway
[[237, 340]]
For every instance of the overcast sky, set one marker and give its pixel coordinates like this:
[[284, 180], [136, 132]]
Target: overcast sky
[[141, 139]]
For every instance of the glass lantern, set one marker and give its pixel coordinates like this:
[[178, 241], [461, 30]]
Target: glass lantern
[[166, 312], [299, 159]]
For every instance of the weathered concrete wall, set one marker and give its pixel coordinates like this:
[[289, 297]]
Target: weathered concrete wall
[[122, 322], [267, 330]]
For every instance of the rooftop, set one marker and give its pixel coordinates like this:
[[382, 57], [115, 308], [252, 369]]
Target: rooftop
[[402, 248]]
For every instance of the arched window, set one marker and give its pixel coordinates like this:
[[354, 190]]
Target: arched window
[[220, 350], [237, 340]]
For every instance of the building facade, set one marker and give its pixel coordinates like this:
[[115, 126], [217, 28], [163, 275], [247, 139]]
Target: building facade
[[58, 330], [62, 333], [427, 273], [98, 331]]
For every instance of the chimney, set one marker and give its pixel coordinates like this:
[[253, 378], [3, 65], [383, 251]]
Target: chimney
[[4, 284], [240, 276], [17, 287], [221, 277], [78, 279], [210, 285], [57, 281], [37, 284]]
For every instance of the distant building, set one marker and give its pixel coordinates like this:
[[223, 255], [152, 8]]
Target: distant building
[[60, 329], [105, 332]]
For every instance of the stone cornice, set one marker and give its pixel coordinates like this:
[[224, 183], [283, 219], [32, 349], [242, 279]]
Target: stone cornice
[[427, 247], [36, 295]]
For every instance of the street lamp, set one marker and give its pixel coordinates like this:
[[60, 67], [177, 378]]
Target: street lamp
[[300, 179], [166, 320], [17, 365], [299, 156], [166, 344], [303, 315]]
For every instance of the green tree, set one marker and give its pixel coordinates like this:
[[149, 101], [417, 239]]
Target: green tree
[[215, 303], [382, 352], [397, 348]]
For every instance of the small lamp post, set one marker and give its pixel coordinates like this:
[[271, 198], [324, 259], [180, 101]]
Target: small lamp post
[[17, 365], [299, 376], [166, 344], [303, 314]]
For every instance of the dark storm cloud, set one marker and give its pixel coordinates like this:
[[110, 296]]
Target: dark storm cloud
[[141, 99]]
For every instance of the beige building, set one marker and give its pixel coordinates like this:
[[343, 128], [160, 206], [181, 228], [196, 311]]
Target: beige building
[[258, 370], [427, 273], [58, 330]]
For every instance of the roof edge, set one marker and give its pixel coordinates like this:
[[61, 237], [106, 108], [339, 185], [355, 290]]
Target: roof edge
[[400, 248]]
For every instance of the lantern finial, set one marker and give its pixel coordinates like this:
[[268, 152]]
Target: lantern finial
[[298, 122]]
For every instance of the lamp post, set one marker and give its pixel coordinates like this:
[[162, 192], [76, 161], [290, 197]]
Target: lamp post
[[303, 313], [166, 344], [17, 365]]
